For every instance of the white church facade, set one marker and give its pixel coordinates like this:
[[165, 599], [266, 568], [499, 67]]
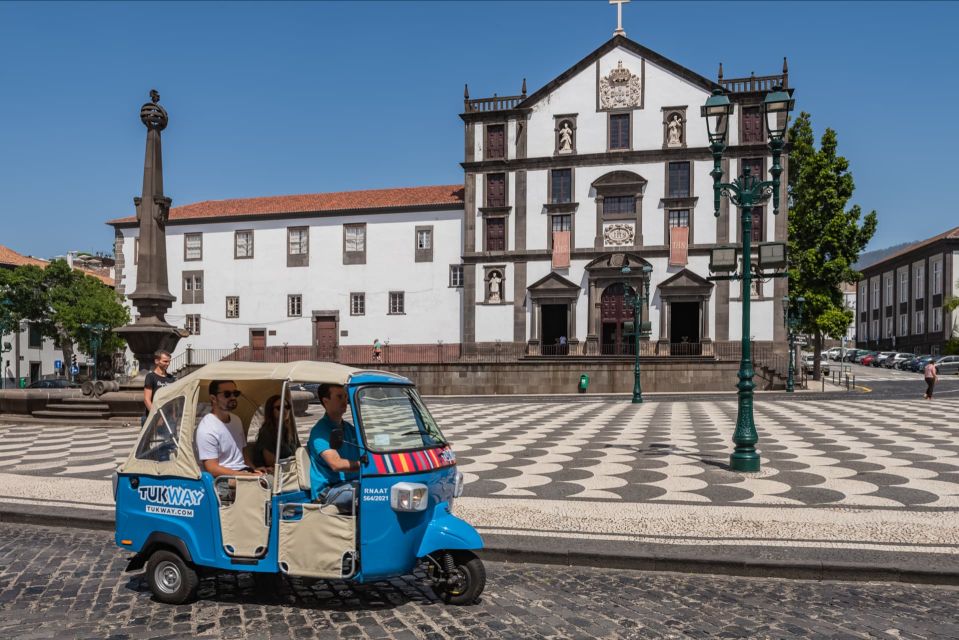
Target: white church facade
[[606, 166]]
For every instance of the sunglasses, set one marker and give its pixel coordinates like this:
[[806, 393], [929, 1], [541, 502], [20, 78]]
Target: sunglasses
[[231, 394]]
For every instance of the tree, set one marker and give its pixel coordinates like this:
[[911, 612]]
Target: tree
[[62, 303], [825, 238], [952, 344]]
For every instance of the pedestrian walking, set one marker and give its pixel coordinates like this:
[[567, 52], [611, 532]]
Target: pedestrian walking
[[155, 379], [931, 376], [377, 350]]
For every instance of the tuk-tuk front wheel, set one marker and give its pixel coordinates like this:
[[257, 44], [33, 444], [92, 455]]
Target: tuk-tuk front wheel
[[171, 579], [463, 577]]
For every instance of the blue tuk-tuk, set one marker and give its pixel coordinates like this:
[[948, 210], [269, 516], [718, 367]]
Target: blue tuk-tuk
[[180, 521]]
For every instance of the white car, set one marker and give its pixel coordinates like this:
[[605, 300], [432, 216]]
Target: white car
[[809, 363], [834, 353]]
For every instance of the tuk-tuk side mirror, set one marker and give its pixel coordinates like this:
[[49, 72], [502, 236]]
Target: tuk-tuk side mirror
[[336, 438]]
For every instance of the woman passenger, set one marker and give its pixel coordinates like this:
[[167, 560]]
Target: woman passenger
[[264, 449]]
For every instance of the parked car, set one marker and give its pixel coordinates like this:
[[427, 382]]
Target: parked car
[[867, 358], [53, 383], [809, 363], [920, 363], [834, 354], [907, 365], [880, 358], [851, 354], [947, 365], [896, 359]]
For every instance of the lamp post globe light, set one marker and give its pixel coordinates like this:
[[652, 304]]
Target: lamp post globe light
[[746, 192], [637, 299], [792, 318]]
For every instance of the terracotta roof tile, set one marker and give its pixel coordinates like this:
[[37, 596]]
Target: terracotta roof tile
[[10, 258], [341, 201]]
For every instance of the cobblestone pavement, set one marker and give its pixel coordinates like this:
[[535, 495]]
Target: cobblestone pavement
[[61, 583]]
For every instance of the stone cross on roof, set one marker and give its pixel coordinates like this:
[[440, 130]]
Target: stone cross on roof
[[619, 16]]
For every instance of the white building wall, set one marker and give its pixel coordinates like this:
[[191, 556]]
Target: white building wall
[[433, 308], [46, 355]]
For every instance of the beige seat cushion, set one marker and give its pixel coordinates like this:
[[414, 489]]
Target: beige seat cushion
[[303, 467]]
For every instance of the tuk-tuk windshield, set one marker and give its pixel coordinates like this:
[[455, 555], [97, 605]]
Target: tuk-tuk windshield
[[394, 418]]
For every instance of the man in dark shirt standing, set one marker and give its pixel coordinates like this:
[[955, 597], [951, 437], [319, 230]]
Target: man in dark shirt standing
[[156, 379]]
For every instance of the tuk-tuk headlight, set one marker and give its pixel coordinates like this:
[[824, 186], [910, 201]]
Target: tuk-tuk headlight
[[458, 490], [409, 496]]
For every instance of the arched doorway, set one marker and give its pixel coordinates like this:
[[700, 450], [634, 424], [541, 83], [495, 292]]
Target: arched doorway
[[614, 313]]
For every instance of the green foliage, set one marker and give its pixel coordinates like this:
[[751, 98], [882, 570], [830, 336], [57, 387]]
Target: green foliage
[[953, 304], [825, 238], [951, 348], [62, 303]]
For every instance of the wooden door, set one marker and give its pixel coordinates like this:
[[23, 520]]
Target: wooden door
[[324, 337], [258, 344], [615, 313]]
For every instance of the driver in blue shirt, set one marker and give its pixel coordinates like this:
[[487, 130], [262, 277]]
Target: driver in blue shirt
[[331, 468]]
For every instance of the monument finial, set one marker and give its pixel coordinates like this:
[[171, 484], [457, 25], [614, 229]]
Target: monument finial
[[619, 16], [154, 96], [720, 72], [524, 86]]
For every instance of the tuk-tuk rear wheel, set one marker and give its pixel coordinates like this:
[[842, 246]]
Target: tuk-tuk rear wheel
[[465, 583], [171, 579]]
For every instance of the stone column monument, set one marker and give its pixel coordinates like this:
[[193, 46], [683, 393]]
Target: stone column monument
[[152, 297]]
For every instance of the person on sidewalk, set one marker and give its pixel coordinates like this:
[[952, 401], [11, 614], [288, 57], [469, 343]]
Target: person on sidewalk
[[155, 379], [333, 456], [220, 440], [932, 376]]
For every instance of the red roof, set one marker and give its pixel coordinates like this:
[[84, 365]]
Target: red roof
[[9, 257], [341, 201]]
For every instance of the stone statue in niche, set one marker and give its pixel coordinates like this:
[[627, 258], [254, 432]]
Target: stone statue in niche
[[674, 131], [565, 138], [621, 89], [494, 286]]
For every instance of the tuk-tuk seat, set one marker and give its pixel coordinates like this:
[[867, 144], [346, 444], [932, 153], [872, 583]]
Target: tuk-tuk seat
[[302, 456]]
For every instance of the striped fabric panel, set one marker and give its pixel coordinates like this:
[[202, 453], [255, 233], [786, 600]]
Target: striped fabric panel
[[393, 463]]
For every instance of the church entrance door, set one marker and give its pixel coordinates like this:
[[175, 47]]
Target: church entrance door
[[614, 314], [555, 326], [258, 344], [684, 329], [324, 337]]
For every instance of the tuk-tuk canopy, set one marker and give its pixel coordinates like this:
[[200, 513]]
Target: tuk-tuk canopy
[[167, 442]]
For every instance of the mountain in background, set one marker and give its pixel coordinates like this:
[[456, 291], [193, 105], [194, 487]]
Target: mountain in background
[[872, 257]]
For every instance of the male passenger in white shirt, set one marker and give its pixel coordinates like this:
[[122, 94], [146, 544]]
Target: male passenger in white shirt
[[219, 438]]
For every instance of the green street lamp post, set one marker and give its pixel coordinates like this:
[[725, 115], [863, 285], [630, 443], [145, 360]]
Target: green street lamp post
[[637, 300], [96, 329], [746, 192], [792, 318]]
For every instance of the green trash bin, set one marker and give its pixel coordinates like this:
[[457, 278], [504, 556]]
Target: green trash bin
[[23, 383], [583, 383]]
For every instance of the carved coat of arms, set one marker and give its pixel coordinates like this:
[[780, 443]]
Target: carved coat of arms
[[621, 89], [617, 235]]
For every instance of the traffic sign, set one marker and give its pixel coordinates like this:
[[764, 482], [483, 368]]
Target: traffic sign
[[58, 364], [74, 370]]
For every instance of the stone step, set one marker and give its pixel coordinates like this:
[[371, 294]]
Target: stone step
[[99, 407], [72, 415], [82, 400]]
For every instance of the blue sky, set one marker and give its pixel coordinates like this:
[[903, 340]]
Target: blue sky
[[280, 98]]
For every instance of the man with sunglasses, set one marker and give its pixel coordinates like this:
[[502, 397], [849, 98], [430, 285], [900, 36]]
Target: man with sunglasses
[[220, 440]]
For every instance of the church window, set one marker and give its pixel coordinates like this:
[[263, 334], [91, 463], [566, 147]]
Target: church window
[[397, 303], [752, 123], [496, 190], [354, 243], [243, 244], [561, 186], [233, 306], [193, 324], [561, 222], [495, 234], [456, 275], [619, 131], [192, 287], [192, 246], [294, 305], [298, 247], [424, 244], [679, 218], [495, 141], [755, 167], [357, 304], [756, 232], [619, 204], [679, 179]]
